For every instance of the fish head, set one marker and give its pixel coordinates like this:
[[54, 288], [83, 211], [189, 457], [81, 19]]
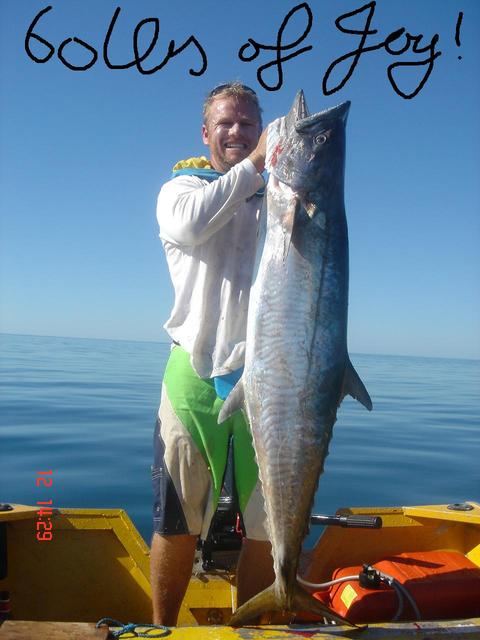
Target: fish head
[[310, 152]]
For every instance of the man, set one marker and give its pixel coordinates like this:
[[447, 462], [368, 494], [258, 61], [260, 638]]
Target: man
[[208, 215]]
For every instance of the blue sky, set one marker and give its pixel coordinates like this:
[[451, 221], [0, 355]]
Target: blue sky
[[84, 153]]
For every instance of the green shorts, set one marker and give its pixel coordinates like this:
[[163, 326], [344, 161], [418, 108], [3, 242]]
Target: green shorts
[[190, 455]]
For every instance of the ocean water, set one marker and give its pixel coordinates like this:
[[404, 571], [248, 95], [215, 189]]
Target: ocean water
[[85, 409]]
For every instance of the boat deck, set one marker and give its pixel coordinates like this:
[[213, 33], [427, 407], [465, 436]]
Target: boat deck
[[461, 630], [97, 565]]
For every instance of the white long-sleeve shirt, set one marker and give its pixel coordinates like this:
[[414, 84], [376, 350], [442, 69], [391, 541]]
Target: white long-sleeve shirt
[[208, 230]]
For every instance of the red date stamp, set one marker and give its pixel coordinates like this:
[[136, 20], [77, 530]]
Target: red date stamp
[[44, 525]]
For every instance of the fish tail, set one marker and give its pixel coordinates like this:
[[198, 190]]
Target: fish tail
[[303, 601], [268, 600], [264, 601]]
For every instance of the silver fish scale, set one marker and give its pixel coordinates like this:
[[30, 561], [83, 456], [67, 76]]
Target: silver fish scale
[[283, 368]]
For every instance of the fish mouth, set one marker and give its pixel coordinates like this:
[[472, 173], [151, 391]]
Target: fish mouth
[[299, 116], [338, 112]]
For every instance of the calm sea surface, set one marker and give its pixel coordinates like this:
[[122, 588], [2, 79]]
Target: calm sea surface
[[86, 409]]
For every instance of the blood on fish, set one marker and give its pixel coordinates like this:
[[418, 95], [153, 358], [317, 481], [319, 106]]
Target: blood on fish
[[275, 153]]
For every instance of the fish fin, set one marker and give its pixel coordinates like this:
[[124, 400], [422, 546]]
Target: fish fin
[[288, 223], [261, 603], [303, 601], [311, 209], [267, 601], [234, 401], [353, 386]]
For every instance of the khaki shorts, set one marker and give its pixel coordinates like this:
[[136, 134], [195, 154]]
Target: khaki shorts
[[190, 456]]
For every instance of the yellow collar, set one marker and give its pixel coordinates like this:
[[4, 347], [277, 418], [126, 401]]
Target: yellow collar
[[199, 162]]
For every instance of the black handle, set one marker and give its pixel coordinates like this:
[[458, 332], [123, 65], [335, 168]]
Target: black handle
[[357, 522]]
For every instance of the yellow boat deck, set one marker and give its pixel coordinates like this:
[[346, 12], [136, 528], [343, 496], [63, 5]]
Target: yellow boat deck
[[97, 565]]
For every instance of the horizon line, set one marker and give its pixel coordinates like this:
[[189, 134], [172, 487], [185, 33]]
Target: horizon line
[[167, 342]]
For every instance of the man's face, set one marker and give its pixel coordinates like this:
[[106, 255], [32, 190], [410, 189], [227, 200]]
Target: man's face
[[231, 131]]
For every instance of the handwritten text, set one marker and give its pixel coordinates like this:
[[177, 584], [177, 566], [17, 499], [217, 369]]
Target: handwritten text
[[398, 42]]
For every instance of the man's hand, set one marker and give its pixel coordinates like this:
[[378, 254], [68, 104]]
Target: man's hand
[[258, 154]]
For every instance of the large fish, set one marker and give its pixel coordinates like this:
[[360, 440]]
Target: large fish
[[297, 368]]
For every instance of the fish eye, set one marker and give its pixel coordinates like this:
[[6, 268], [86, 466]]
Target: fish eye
[[320, 139]]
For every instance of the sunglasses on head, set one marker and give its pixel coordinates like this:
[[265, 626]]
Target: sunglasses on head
[[227, 85]]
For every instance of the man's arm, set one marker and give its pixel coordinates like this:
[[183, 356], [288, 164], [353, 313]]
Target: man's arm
[[258, 155], [189, 211]]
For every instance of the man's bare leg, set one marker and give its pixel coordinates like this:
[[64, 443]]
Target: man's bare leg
[[171, 562], [254, 570]]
